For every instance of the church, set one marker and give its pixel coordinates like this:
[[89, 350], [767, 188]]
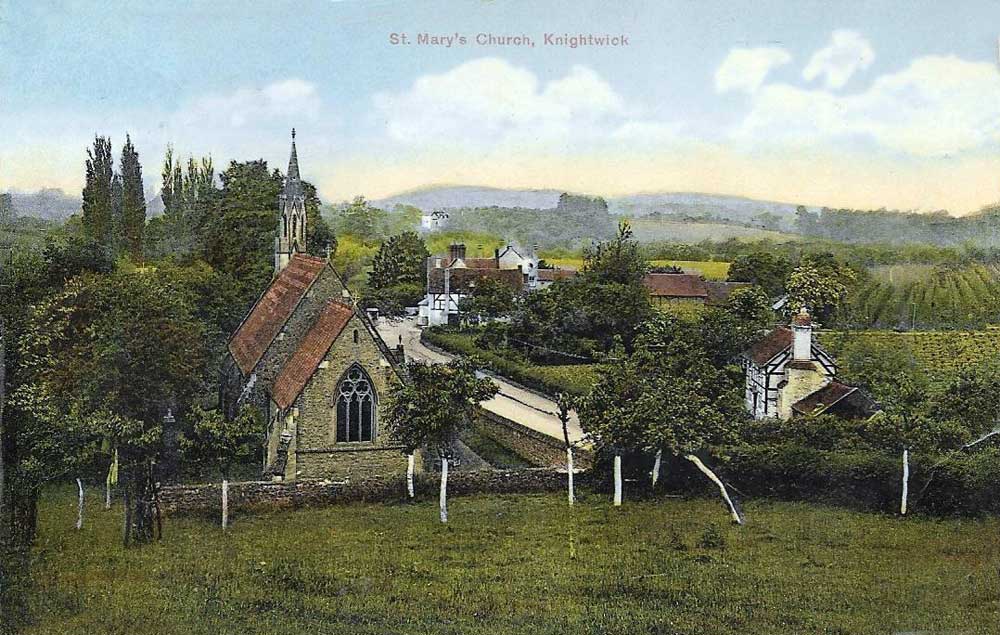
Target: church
[[312, 363]]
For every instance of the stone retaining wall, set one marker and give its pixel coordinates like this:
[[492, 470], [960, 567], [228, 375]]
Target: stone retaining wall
[[252, 496], [533, 446]]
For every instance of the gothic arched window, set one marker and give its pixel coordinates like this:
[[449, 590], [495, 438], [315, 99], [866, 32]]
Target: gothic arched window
[[295, 231], [284, 226], [356, 402]]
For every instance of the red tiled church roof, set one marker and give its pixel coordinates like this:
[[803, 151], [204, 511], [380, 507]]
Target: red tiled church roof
[[770, 345], [267, 317], [675, 285], [296, 372]]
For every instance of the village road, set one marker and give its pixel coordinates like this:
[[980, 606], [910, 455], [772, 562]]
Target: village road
[[525, 407]]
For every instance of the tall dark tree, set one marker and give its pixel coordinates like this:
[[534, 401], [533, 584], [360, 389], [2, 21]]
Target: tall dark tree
[[133, 202], [400, 260], [97, 196]]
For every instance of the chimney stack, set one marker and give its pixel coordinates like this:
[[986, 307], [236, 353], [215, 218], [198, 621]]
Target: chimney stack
[[456, 251], [802, 336]]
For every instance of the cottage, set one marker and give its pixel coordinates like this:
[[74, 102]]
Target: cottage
[[312, 363], [788, 374], [451, 279]]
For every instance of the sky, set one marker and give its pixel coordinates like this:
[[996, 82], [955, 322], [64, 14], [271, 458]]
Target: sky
[[861, 104]]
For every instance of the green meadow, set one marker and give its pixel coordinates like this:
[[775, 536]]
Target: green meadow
[[517, 564]]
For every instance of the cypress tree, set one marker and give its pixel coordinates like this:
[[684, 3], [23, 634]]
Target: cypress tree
[[133, 201], [97, 199]]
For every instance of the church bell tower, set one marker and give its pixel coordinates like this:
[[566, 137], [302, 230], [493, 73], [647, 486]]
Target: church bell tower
[[291, 237]]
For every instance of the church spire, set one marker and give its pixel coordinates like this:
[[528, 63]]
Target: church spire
[[291, 238], [293, 182]]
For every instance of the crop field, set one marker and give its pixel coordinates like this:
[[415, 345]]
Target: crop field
[[921, 296], [942, 353], [515, 564], [657, 229]]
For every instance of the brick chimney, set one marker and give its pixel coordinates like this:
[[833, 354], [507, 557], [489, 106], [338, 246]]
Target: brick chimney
[[456, 251], [802, 332], [803, 375]]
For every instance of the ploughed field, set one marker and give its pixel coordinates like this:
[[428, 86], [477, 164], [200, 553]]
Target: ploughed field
[[519, 564]]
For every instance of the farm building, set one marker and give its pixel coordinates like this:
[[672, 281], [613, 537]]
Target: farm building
[[668, 288], [788, 374], [312, 363]]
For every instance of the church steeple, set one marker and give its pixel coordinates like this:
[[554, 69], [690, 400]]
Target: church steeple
[[291, 237]]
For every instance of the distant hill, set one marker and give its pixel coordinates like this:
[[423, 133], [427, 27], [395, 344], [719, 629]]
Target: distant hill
[[465, 196], [693, 204], [56, 205], [679, 204], [48, 203]]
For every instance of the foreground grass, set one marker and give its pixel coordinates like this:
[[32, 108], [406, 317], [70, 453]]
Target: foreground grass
[[522, 564]]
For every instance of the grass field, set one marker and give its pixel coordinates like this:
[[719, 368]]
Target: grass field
[[711, 269], [658, 229], [524, 564]]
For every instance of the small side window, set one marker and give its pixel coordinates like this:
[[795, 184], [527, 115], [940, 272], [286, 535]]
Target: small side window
[[355, 336]]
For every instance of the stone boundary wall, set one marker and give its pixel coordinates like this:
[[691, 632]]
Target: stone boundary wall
[[261, 496], [533, 446]]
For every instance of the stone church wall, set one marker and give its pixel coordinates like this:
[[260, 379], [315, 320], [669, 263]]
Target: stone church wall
[[318, 453], [254, 496], [531, 445]]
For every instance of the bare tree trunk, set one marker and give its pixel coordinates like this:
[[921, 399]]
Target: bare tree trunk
[[3, 441], [722, 488], [618, 480], [569, 474], [225, 504], [410, 461], [444, 489], [79, 506], [656, 467], [906, 481], [107, 494]]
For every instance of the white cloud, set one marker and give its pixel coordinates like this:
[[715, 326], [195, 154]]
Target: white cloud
[[847, 53], [288, 99], [939, 105], [746, 69], [489, 101]]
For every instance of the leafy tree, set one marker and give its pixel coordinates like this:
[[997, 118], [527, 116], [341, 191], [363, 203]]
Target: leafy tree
[[490, 299], [190, 200], [617, 261], [393, 300], [432, 406], [105, 356], [822, 291], [239, 238], [588, 311], [218, 443], [664, 397], [319, 235], [97, 197], [768, 271], [402, 259], [362, 220], [71, 255], [133, 201]]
